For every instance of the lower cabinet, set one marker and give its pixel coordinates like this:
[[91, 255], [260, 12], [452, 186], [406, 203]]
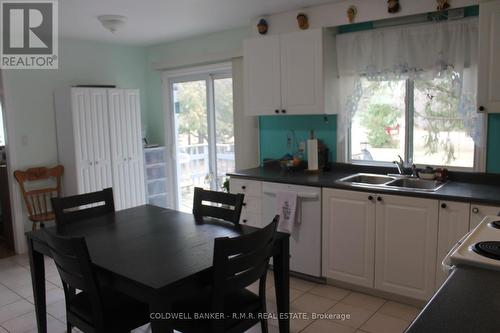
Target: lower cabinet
[[349, 236], [453, 225], [251, 214], [406, 244], [479, 212]]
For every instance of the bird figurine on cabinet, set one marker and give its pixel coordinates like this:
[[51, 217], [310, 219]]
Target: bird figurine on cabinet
[[262, 26], [442, 5], [303, 21]]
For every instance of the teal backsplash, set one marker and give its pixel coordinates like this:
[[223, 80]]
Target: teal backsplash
[[493, 156], [274, 131]]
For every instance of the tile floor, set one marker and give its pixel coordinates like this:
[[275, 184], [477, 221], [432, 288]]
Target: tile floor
[[368, 314]]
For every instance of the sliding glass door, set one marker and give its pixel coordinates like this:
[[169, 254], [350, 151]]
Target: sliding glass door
[[203, 133]]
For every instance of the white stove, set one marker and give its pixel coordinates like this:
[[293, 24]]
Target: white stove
[[480, 247]]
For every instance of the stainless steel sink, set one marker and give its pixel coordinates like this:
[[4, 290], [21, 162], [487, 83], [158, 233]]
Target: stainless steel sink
[[391, 182], [416, 184], [366, 179]]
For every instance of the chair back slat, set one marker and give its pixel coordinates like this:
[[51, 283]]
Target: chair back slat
[[218, 211], [237, 264], [36, 199], [73, 263], [83, 206]]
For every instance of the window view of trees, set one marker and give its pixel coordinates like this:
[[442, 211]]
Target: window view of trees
[[439, 136]]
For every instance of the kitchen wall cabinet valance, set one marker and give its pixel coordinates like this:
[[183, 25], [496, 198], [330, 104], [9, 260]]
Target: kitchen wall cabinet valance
[[488, 94], [99, 142], [290, 73]]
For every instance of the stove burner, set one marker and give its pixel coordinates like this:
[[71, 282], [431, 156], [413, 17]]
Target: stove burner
[[495, 224], [489, 249]]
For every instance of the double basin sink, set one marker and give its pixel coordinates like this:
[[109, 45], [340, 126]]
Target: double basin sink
[[392, 182]]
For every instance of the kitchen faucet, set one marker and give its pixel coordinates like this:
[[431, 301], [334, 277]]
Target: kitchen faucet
[[400, 165]]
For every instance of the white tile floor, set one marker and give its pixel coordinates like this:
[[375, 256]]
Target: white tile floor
[[368, 314]]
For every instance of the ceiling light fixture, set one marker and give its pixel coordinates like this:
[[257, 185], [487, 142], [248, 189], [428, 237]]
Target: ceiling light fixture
[[112, 22]]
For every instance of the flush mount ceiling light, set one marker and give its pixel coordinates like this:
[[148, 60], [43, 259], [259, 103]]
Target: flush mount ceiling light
[[112, 22]]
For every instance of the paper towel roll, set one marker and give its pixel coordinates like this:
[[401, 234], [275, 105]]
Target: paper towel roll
[[312, 154]]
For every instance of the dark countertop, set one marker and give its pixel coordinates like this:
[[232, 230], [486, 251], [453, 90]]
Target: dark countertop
[[462, 188], [468, 302]]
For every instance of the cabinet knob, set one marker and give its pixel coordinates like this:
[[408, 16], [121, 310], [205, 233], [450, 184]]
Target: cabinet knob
[[96, 162], [379, 198], [276, 111], [370, 197], [244, 204], [244, 221], [482, 108], [243, 187], [283, 111], [90, 163], [443, 205], [475, 210]]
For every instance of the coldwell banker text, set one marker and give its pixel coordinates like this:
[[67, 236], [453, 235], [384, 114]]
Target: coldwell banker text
[[29, 34]]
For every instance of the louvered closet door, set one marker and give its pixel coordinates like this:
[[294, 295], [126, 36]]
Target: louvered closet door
[[126, 148], [90, 122]]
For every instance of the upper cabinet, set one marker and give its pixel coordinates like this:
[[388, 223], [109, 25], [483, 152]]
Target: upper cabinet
[[488, 94], [289, 73]]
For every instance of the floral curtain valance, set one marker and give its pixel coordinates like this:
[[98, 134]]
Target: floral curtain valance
[[410, 50]]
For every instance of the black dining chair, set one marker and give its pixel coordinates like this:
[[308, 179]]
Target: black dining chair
[[74, 208], [238, 262], [95, 308], [222, 210]]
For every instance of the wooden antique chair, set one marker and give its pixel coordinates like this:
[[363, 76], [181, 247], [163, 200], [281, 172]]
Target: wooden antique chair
[[37, 200], [224, 201]]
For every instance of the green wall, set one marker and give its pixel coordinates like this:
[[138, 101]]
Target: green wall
[[29, 94], [493, 151], [274, 131]]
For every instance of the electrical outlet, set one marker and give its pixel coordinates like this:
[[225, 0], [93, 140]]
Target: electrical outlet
[[302, 145]]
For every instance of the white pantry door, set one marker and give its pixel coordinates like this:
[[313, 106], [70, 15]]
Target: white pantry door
[[126, 148], [90, 122]]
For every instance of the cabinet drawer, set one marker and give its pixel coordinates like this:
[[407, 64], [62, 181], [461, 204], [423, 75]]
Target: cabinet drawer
[[252, 204], [251, 219], [247, 187]]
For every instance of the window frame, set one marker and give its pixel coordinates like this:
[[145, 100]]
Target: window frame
[[479, 160]]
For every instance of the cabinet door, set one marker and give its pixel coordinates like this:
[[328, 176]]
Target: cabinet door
[[251, 213], [261, 61], [488, 93], [406, 245], [302, 87], [453, 225], [479, 212], [348, 236], [91, 132], [126, 148]]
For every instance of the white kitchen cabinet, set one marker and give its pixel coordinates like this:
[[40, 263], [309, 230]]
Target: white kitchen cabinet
[[99, 142], [349, 236], [289, 73], [453, 225], [251, 214], [406, 245], [262, 75], [478, 213], [488, 93]]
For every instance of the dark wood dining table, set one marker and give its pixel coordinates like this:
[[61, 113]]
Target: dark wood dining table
[[155, 255]]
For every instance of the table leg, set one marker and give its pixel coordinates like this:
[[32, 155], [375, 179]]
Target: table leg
[[37, 268], [281, 262], [157, 311]]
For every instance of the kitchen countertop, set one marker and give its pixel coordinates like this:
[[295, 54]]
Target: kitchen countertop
[[484, 191], [468, 302]]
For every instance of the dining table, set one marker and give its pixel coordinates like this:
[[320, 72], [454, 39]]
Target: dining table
[[156, 256]]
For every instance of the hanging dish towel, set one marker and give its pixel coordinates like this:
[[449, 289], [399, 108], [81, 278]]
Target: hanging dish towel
[[286, 205]]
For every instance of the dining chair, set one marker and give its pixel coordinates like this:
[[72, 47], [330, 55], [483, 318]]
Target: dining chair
[[75, 208], [96, 308], [238, 262], [37, 192], [222, 210]]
